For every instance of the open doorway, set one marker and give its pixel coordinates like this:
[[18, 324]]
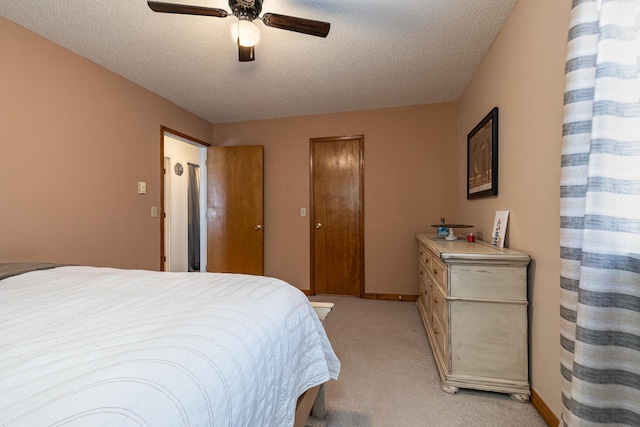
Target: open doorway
[[184, 227]]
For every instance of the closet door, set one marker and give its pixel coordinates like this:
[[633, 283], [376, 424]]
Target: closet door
[[337, 227]]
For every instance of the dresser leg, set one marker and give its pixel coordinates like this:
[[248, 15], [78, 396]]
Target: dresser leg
[[450, 389], [522, 398]]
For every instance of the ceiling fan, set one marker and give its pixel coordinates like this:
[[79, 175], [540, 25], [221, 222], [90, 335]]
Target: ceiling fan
[[244, 31]]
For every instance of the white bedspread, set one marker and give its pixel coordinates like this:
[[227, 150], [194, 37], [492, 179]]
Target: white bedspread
[[84, 346]]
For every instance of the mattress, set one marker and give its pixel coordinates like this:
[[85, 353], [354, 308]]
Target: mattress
[[87, 346]]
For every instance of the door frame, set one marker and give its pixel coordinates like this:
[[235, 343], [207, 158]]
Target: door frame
[[312, 222], [203, 145]]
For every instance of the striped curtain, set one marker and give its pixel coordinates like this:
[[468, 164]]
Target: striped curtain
[[600, 216]]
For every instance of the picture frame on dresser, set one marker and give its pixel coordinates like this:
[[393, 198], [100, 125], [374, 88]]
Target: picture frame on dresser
[[482, 157]]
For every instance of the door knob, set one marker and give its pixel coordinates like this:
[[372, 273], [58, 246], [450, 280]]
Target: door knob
[[318, 225], [257, 227]]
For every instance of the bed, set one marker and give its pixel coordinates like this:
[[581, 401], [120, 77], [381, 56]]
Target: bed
[[96, 346]]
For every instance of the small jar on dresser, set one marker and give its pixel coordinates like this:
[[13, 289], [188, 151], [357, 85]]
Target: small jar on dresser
[[473, 303]]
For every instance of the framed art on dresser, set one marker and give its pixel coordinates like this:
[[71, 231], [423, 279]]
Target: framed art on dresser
[[482, 157]]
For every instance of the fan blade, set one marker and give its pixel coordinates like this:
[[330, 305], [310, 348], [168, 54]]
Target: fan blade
[[186, 9], [299, 25]]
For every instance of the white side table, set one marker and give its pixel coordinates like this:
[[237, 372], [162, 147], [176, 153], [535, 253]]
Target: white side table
[[322, 310]]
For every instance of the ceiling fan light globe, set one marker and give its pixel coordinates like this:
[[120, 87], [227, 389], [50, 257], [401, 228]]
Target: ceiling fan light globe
[[245, 33]]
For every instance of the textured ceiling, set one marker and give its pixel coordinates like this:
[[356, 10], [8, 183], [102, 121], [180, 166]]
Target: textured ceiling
[[378, 53]]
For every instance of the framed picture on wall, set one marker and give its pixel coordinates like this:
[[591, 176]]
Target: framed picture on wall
[[482, 157]]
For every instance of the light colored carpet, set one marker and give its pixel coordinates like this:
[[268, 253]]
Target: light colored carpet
[[389, 378]]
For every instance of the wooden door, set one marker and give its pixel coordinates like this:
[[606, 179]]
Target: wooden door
[[234, 209], [337, 215]]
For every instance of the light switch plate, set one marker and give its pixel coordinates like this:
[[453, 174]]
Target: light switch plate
[[142, 187]]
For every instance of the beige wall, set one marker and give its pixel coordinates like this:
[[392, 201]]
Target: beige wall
[[408, 156], [523, 74], [75, 139]]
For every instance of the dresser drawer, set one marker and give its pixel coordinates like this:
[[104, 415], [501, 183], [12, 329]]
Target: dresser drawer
[[473, 281], [439, 273], [424, 295], [440, 334], [425, 255], [439, 305], [422, 271], [434, 265]]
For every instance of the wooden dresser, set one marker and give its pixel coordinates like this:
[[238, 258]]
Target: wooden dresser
[[473, 303]]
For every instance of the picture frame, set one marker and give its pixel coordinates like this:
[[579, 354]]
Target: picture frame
[[499, 231], [482, 157]]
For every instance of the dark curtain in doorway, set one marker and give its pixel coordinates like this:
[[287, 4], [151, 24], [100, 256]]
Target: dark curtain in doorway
[[194, 218]]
